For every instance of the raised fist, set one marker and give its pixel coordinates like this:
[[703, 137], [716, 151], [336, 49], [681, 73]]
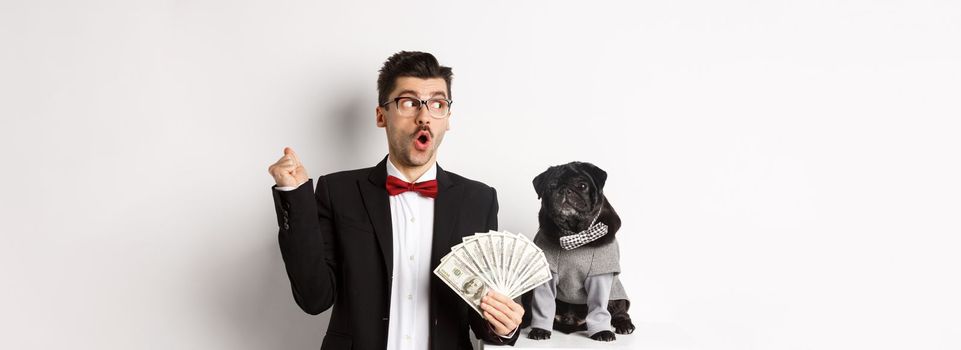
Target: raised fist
[[288, 170]]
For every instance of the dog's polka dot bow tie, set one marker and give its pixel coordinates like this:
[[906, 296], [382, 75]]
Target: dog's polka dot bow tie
[[589, 235]]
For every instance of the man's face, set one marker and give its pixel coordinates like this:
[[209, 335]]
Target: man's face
[[413, 140]]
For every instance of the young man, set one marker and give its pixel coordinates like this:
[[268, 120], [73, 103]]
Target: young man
[[366, 242]]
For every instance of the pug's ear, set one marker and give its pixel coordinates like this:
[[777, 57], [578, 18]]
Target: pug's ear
[[540, 182], [599, 176]]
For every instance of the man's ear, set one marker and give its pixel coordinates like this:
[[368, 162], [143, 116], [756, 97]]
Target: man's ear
[[540, 182], [381, 118], [599, 176]]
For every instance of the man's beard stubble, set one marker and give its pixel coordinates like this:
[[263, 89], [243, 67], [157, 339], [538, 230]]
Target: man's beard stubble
[[402, 147]]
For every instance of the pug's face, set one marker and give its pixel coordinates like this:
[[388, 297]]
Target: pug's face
[[571, 194]]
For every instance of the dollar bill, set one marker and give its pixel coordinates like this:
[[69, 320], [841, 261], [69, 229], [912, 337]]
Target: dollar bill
[[469, 286], [509, 263]]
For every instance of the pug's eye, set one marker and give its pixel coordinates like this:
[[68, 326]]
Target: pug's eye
[[582, 186]]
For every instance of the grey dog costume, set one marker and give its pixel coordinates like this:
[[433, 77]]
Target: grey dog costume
[[583, 275]]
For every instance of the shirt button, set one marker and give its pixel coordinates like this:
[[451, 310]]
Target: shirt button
[[410, 297], [407, 337], [411, 258], [412, 220]]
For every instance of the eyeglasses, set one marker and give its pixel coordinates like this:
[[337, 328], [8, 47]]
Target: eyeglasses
[[438, 108]]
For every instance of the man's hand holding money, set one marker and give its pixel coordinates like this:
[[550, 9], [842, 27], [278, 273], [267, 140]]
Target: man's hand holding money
[[503, 314]]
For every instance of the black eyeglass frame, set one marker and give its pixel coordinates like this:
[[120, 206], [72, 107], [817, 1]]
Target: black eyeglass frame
[[420, 104]]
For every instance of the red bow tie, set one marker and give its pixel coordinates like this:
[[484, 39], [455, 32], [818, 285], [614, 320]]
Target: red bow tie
[[397, 186]]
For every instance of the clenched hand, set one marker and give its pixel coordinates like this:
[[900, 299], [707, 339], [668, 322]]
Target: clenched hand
[[288, 170]]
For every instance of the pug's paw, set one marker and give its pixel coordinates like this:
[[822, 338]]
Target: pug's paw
[[539, 334], [623, 326], [604, 336]]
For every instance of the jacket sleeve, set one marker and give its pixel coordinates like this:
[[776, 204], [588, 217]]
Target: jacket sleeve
[[306, 240], [478, 324]]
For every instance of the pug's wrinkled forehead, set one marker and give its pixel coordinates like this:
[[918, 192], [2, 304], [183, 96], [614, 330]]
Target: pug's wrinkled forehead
[[567, 173]]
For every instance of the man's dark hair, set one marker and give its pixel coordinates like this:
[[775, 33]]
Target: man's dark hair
[[410, 64]]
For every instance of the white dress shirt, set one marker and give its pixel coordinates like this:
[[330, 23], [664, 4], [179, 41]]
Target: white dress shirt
[[412, 220], [412, 223]]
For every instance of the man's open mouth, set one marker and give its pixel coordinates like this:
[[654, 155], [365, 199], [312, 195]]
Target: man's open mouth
[[422, 140]]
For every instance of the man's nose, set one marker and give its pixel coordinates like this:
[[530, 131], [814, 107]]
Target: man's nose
[[423, 116]]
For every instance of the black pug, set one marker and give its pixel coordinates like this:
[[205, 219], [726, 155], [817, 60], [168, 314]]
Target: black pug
[[577, 228]]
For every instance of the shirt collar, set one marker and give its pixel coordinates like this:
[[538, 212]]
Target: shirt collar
[[431, 173]]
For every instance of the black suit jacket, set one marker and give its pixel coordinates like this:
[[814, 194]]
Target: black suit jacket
[[336, 246]]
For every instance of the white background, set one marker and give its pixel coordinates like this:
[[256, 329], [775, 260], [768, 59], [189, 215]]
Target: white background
[[786, 170]]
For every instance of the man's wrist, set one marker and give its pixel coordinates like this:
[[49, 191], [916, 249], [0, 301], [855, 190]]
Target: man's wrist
[[508, 336], [290, 188]]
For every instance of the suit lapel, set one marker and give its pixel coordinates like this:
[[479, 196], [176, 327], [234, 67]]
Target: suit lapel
[[378, 210], [446, 207]]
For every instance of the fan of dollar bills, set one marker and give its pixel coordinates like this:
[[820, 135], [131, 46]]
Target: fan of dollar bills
[[508, 263]]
